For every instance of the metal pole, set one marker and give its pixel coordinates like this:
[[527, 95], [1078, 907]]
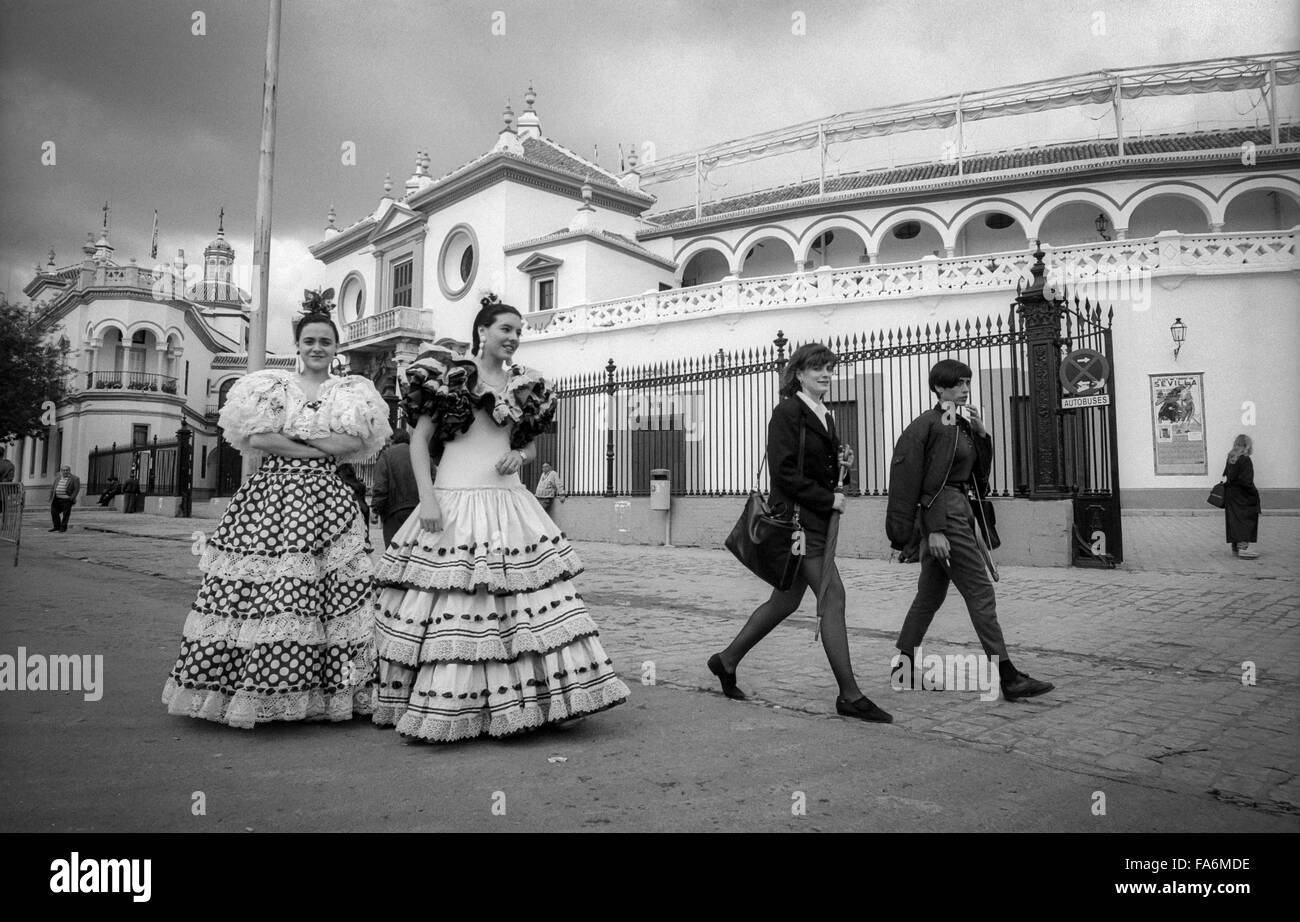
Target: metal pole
[[1116, 103], [961, 142], [698, 208], [262, 233], [1272, 103], [821, 158]]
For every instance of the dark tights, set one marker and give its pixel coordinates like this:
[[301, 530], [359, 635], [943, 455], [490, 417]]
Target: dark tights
[[780, 605]]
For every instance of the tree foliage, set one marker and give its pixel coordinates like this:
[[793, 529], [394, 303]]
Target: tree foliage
[[33, 371]]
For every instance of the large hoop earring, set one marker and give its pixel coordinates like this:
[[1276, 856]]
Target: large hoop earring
[[299, 367]]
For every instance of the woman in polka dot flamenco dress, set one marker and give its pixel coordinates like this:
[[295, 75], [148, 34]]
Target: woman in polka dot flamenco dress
[[479, 628], [283, 624]]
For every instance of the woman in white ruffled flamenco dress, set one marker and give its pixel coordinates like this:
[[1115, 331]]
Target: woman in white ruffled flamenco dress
[[283, 624], [479, 628]]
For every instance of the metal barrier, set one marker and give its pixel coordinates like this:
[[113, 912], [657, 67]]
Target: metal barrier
[[11, 516]]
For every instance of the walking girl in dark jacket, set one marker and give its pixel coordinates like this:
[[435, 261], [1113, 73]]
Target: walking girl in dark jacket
[[811, 483], [945, 452]]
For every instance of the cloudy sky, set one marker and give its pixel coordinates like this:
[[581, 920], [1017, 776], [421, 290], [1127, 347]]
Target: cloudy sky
[[147, 114]]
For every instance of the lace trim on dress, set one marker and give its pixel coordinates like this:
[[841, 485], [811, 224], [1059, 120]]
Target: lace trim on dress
[[345, 630], [345, 557], [245, 709], [435, 647], [533, 714]]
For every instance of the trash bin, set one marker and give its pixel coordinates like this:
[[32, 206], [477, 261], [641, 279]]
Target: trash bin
[[660, 490]]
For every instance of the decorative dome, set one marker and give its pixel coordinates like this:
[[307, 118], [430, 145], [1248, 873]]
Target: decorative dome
[[219, 246]]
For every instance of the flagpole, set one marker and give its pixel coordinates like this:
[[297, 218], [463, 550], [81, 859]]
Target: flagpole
[[262, 234]]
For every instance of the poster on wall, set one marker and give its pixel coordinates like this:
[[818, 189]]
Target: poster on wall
[[1178, 423]]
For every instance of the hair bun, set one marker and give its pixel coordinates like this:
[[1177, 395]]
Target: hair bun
[[488, 299]]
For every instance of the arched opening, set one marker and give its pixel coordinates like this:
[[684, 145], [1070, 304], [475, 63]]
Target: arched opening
[[907, 240], [768, 256], [992, 231], [705, 267], [1262, 210], [140, 357], [1076, 224], [1167, 212], [110, 352], [839, 248]]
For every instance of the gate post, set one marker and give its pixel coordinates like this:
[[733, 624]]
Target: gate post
[[1041, 321], [611, 417], [184, 467]]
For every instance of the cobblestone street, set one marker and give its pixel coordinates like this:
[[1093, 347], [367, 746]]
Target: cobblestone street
[[1148, 664]]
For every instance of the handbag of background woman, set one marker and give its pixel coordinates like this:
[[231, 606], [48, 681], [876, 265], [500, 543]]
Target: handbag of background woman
[[1216, 496], [767, 541]]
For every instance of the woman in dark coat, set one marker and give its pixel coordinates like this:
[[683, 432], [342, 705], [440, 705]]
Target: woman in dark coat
[[1241, 499], [811, 483]]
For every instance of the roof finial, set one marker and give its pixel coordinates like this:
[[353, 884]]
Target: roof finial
[[508, 116], [530, 97], [221, 222], [331, 216], [388, 182], [51, 256], [105, 209]]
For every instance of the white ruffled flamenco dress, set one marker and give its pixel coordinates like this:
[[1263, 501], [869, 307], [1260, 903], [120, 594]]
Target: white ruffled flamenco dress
[[479, 627], [282, 627]]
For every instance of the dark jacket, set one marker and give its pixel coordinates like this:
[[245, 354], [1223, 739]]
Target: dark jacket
[[810, 485], [395, 490], [918, 470], [74, 486]]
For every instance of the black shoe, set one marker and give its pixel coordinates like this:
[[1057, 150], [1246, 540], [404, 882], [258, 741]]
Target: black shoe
[[728, 679], [1022, 686], [863, 709]]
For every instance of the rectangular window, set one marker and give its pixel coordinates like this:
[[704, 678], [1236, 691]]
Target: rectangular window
[[545, 294], [186, 390], [402, 273], [203, 461], [139, 435], [45, 455], [31, 469]]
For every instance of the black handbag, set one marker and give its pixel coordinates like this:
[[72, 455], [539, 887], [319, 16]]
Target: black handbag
[[1216, 496], [767, 541]]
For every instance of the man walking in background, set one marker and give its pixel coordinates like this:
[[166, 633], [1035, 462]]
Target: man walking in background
[[62, 496], [395, 494], [549, 487]]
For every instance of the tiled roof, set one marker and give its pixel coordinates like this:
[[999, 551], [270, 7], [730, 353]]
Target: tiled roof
[[986, 163], [545, 152], [564, 233]]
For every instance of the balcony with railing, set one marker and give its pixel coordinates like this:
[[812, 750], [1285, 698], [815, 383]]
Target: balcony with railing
[[399, 321], [104, 381], [1122, 261]]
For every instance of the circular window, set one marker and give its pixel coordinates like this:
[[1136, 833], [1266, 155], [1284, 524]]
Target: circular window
[[458, 261], [352, 301]]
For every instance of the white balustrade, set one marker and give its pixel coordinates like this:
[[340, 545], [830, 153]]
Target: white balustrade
[[1166, 253]]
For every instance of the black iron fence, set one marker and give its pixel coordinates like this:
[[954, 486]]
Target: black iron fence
[[152, 468], [705, 418]]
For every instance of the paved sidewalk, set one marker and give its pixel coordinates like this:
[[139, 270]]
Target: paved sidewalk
[[1148, 664]]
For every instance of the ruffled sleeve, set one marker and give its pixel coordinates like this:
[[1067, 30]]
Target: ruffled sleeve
[[529, 403], [256, 403], [440, 385], [357, 409]]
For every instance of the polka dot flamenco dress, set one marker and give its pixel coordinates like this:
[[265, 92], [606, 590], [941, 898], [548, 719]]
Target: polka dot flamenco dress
[[282, 627], [480, 629]]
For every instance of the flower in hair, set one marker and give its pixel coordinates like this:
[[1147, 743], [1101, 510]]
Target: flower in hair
[[318, 302]]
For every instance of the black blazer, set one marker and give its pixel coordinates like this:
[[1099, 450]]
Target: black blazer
[[810, 485]]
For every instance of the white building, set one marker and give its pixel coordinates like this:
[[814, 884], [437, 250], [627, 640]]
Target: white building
[[1187, 229], [151, 347]]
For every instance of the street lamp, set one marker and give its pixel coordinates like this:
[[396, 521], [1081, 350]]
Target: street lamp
[[1103, 225], [1179, 331]]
